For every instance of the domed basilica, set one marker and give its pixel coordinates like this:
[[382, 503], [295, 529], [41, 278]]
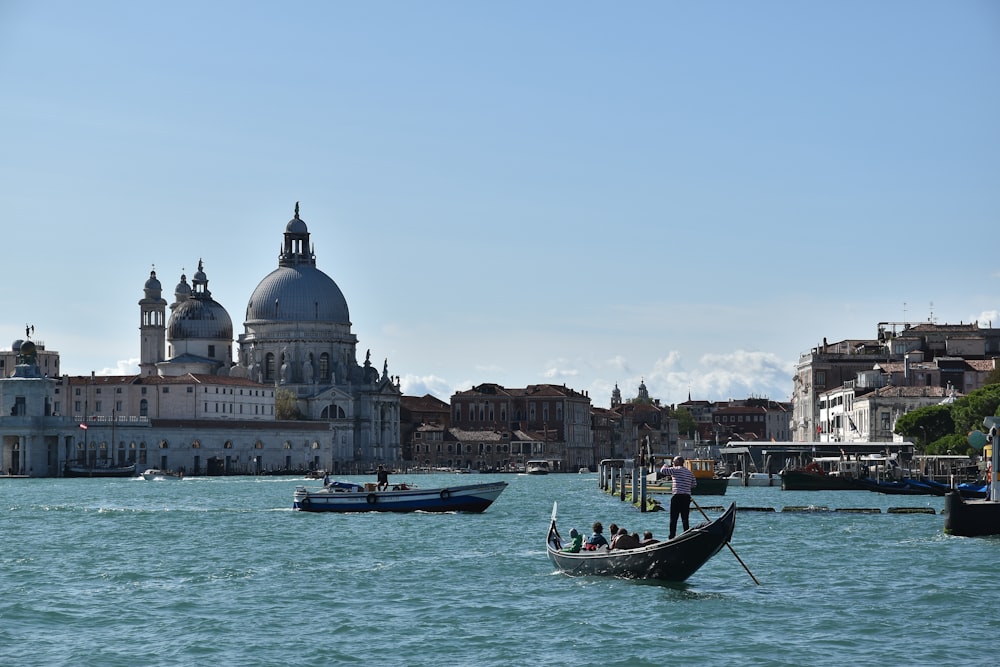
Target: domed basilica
[[294, 398]]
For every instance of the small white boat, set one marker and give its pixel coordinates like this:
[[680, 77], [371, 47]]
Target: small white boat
[[755, 479], [155, 474], [537, 467]]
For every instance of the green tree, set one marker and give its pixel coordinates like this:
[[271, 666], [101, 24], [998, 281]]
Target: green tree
[[685, 421], [925, 425], [968, 412], [286, 406]]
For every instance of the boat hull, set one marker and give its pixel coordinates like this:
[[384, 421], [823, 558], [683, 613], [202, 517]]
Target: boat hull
[[970, 518], [98, 471], [803, 480], [671, 561], [466, 498]]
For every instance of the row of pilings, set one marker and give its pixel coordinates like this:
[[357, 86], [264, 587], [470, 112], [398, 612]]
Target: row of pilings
[[624, 477]]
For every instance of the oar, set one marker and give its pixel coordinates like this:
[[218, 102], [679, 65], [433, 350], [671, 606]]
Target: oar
[[727, 544]]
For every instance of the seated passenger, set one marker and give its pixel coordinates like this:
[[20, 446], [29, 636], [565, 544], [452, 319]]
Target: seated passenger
[[577, 541], [647, 538], [597, 539], [624, 541]]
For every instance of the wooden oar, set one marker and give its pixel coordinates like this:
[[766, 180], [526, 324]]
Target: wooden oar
[[695, 502]]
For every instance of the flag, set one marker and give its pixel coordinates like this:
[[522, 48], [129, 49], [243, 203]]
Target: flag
[[83, 426]]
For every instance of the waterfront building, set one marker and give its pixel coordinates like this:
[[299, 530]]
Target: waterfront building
[[951, 357], [295, 398]]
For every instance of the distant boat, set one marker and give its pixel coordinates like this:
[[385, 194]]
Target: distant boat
[[671, 560], [350, 497], [154, 474], [708, 484], [83, 470], [537, 467], [741, 478]]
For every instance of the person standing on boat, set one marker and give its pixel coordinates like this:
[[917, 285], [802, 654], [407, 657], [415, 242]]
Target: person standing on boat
[[682, 484], [383, 478]]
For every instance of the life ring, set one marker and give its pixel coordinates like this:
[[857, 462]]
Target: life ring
[[445, 494], [305, 503], [372, 498]]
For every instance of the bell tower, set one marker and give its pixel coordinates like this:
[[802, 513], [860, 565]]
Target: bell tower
[[152, 326]]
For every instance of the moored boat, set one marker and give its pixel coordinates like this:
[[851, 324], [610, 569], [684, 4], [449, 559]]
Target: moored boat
[[673, 560], [708, 483], [83, 470], [742, 478], [350, 497]]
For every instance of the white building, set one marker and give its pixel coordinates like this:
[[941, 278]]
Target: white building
[[191, 407]]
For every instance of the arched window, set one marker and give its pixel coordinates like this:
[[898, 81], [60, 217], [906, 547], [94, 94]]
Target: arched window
[[228, 444], [163, 444], [195, 444], [258, 445], [144, 408], [324, 367]]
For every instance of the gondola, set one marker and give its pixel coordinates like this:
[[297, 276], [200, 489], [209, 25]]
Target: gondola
[[673, 560]]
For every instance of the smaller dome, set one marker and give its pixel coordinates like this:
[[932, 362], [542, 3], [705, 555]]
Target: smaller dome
[[16, 345], [182, 287], [153, 283], [296, 226]]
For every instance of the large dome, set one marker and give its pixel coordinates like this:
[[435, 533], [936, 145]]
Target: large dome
[[199, 318], [300, 293]]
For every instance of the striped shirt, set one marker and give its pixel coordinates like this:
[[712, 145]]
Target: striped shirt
[[683, 479]]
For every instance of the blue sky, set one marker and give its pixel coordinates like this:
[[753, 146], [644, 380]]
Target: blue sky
[[690, 193]]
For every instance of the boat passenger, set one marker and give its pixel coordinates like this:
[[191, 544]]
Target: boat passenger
[[577, 541], [624, 541], [326, 479], [383, 478], [597, 539], [647, 538]]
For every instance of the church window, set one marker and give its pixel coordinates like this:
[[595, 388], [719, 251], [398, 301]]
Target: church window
[[228, 444], [77, 391], [97, 406], [77, 406], [118, 406], [324, 366], [269, 367], [144, 408]]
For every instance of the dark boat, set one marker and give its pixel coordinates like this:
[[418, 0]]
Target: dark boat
[[903, 487], [82, 470], [971, 518], [350, 497], [673, 560], [805, 479]]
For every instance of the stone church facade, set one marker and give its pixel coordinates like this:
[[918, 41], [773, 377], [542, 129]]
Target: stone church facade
[[192, 406]]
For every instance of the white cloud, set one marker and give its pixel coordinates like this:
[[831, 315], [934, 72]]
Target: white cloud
[[124, 367]]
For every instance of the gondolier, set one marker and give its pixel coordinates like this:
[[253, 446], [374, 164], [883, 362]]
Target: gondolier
[[682, 482]]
